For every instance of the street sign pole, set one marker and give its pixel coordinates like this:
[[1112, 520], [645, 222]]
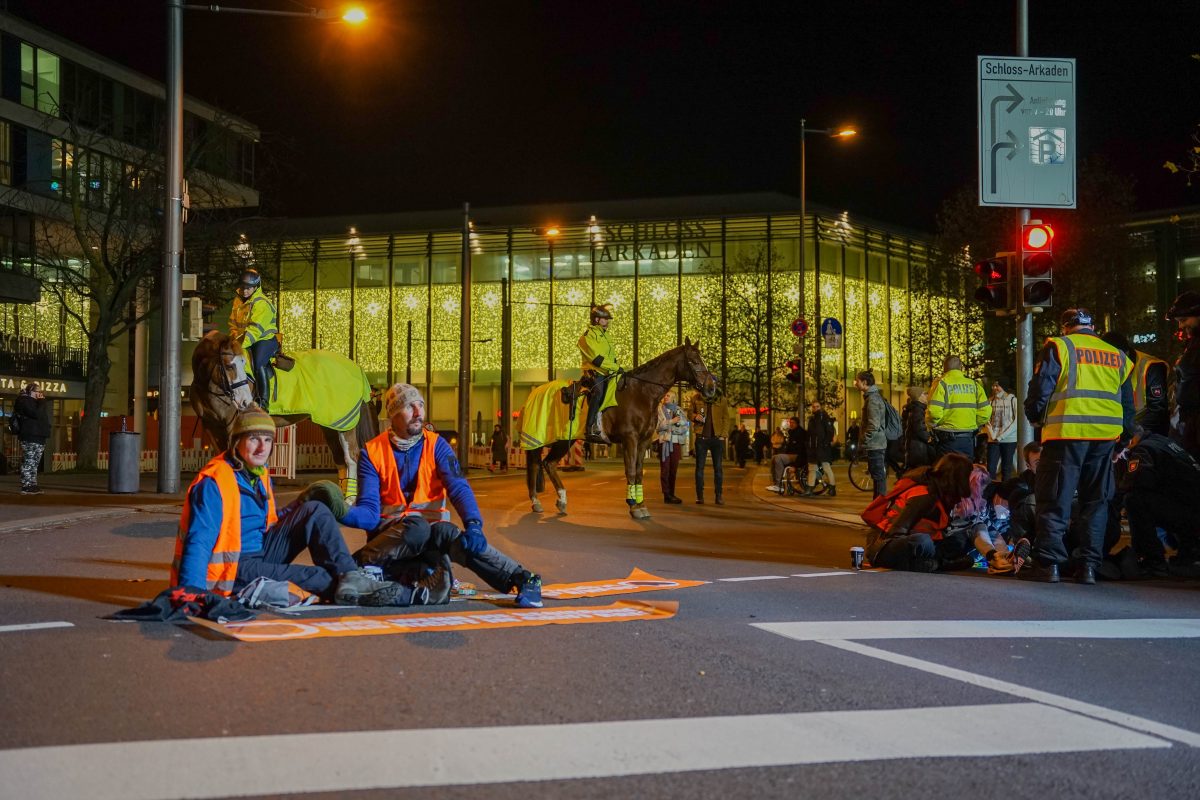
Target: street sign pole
[[1024, 319]]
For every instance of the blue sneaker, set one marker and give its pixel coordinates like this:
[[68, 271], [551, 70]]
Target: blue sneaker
[[529, 593]]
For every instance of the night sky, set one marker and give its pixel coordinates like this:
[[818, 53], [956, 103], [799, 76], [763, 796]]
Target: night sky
[[510, 102]]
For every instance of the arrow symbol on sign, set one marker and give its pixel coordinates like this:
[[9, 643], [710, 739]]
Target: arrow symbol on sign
[[1015, 98], [1010, 146]]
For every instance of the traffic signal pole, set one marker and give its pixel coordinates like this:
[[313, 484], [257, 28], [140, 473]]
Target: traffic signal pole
[[1024, 319]]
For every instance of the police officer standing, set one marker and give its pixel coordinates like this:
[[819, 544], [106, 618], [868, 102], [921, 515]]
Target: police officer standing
[[1150, 408], [958, 408], [1081, 394], [1186, 414]]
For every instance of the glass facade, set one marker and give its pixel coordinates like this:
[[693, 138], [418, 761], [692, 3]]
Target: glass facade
[[393, 303]]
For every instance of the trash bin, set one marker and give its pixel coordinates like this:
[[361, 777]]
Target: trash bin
[[124, 461]]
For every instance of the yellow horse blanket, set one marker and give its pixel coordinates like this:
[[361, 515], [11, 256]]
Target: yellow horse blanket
[[545, 418], [328, 387]]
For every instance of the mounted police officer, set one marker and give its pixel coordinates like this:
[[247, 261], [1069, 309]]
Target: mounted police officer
[[958, 408], [255, 324], [1185, 417], [1081, 395], [599, 365]]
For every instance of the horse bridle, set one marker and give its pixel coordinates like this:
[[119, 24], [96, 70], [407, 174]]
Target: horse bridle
[[695, 382], [227, 386]]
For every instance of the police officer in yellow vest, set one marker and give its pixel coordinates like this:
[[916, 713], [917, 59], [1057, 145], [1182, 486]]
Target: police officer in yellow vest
[[1150, 376], [958, 408], [599, 365], [1081, 395], [254, 323], [230, 532]]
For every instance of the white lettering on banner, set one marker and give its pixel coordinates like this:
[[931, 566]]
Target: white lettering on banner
[[48, 387]]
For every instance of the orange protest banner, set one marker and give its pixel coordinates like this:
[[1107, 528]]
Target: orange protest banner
[[638, 581], [278, 630]]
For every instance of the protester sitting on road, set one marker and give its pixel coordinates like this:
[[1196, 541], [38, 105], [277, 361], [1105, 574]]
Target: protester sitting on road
[[406, 475], [231, 534], [793, 453], [977, 524], [908, 520]]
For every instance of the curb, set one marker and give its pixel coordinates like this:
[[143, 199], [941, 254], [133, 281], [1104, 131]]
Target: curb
[[31, 523]]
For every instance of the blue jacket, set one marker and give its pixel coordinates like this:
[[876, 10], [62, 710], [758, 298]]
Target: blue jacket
[[365, 512], [205, 523]]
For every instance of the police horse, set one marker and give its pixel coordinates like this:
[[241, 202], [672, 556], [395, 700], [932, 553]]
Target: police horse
[[325, 387], [631, 423]]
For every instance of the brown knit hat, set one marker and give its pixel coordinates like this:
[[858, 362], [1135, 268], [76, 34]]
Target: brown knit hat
[[251, 420], [915, 392]]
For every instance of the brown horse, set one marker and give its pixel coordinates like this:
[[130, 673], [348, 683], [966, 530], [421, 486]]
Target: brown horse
[[631, 423], [220, 389]]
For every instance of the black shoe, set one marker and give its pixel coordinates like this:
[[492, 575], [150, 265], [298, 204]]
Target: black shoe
[[719, 501], [700, 501], [831, 491], [1086, 574], [1036, 572], [672, 499]]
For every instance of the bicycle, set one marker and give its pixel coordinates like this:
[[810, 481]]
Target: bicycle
[[860, 476], [792, 486]]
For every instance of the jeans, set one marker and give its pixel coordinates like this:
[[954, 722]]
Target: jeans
[[398, 543], [1001, 457], [877, 468], [31, 459], [1067, 465], [914, 552], [778, 464], [670, 469], [716, 446], [308, 526]]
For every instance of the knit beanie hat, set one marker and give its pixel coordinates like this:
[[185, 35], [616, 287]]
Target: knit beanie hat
[[251, 420], [915, 392], [399, 396]]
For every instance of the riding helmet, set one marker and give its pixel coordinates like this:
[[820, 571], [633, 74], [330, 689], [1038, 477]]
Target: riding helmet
[[250, 279], [1186, 305]]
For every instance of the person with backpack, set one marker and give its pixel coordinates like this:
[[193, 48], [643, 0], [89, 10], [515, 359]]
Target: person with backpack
[[877, 427], [907, 522], [958, 408], [820, 449]]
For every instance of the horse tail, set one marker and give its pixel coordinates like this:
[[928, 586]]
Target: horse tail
[[366, 429]]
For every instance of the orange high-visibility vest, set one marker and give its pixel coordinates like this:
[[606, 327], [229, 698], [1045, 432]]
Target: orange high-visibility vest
[[223, 563], [429, 497]]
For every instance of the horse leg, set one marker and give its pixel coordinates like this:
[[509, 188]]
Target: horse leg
[[639, 457], [350, 448], [633, 487], [557, 451], [533, 468]]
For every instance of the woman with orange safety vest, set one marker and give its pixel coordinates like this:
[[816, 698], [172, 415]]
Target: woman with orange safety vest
[[908, 521], [406, 475], [230, 532]]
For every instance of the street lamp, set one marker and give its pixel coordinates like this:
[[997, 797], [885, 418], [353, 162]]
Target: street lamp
[[172, 298], [844, 132]]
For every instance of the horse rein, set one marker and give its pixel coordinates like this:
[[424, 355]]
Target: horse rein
[[226, 386]]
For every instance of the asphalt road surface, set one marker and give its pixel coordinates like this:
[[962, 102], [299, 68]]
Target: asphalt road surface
[[784, 675]]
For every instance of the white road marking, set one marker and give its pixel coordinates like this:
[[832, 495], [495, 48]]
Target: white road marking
[[343, 762], [1136, 723], [34, 626], [987, 629], [819, 574], [754, 578]]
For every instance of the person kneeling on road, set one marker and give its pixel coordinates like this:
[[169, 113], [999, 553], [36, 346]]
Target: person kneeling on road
[[1161, 482], [908, 521], [406, 475], [231, 534]]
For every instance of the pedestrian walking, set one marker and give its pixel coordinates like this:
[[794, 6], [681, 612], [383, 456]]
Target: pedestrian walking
[[917, 452], [958, 408], [672, 431], [705, 426], [1185, 416], [762, 445], [1081, 395], [1001, 431], [820, 449], [32, 420], [500, 449], [873, 440]]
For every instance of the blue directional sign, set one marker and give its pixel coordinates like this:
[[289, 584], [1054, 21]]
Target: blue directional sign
[[829, 326], [1027, 138]]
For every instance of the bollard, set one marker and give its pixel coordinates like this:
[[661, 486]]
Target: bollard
[[124, 455]]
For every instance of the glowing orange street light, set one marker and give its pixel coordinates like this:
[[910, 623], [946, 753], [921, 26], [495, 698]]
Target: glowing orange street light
[[355, 15], [845, 132]]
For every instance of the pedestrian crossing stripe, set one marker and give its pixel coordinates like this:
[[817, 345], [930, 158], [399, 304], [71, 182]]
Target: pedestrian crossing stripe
[[271, 630]]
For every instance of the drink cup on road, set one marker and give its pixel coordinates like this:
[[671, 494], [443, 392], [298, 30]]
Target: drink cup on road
[[856, 557]]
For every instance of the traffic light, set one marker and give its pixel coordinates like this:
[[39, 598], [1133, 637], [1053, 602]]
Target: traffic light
[[793, 370], [993, 280], [1037, 264]]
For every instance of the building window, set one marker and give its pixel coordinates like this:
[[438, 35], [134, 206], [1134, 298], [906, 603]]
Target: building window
[[5, 154], [40, 79]]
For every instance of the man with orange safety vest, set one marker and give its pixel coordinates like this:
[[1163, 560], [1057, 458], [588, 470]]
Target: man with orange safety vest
[[1081, 396], [230, 532], [406, 475]]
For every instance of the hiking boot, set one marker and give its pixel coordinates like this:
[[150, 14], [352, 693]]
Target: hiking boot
[[1034, 571], [394, 594], [529, 592], [353, 587], [434, 587], [1020, 554]]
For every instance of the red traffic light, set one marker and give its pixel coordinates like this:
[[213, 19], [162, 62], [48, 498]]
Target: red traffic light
[[794, 370], [1037, 237]]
